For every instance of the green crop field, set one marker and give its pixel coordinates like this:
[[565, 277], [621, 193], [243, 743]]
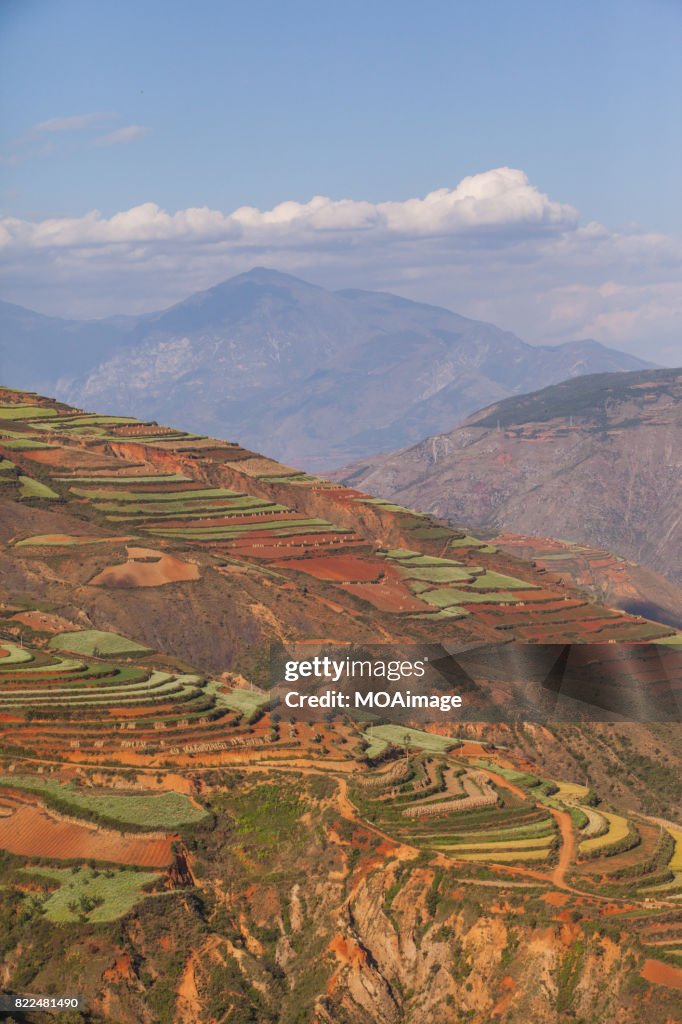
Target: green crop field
[[571, 791], [505, 856], [676, 859], [14, 655], [46, 541], [145, 496], [127, 481], [89, 641], [23, 412], [94, 895], [389, 506], [520, 778], [497, 581], [401, 736], [168, 811], [243, 701], [30, 488], [18, 443], [536, 843], [545, 826], [436, 574], [618, 829]]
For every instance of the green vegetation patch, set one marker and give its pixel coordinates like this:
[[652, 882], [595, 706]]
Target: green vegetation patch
[[100, 494], [243, 701], [266, 815], [47, 541], [436, 574], [619, 829], [95, 641], [30, 488], [16, 444], [84, 894], [389, 506], [126, 481], [497, 581], [168, 811], [25, 412], [519, 778], [401, 736]]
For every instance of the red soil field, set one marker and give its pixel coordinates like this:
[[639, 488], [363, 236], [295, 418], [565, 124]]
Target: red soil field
[[31, 832], [137, 573], [44, 621], [659, 973], [343, 568], [388, 596], [79, 459]]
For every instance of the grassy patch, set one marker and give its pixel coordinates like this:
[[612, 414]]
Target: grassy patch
[[243, 701], [30, 488], [401, 736], [25, 412], [96, 641], [92, 895]]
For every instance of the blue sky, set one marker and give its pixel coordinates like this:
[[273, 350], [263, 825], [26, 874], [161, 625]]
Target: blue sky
[[221, 105], [250, 103]]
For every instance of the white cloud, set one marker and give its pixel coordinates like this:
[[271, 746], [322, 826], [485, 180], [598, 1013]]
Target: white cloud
[[129, 133], [40, 139], [493, 247], [73, 123], [501, 200]]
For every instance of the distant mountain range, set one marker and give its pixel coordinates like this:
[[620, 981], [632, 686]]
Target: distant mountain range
[[316, 378], [596, 460]]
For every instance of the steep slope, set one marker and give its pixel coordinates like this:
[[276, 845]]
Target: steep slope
[[317, 378], [595, 460]]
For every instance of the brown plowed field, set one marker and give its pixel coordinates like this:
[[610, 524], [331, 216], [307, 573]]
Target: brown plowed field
[[343, 568], [388, 596], [32, 832], [136, 573], [659, 973]]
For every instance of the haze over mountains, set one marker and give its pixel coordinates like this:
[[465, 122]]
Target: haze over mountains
[[595, 460], [315, 378]]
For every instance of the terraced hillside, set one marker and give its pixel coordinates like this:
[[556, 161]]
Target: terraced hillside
[[181, 521], [175, 850], [199, 836]]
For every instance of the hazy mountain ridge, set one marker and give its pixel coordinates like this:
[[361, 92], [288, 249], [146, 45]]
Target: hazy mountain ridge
[[596, 460], [318, 378]]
